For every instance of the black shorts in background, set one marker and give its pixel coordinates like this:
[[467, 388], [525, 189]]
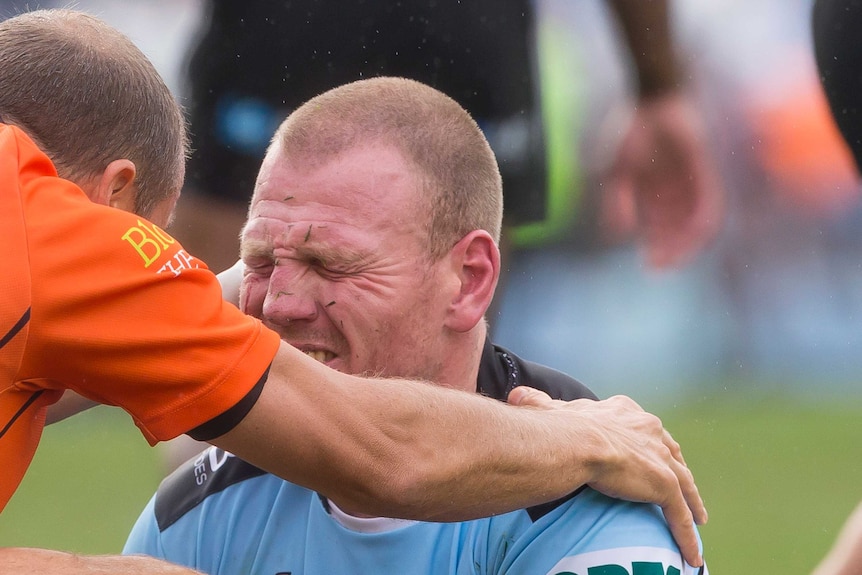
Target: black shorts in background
[[837, 27], [257, 61]]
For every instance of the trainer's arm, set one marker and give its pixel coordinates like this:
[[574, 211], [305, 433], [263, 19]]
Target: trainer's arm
[[25, 561], [407, 449]]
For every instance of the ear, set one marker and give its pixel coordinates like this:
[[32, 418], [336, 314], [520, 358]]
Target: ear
[[475, 260], [116, 187]]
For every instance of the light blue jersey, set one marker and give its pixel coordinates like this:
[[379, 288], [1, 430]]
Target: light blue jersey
[[223, 516], [242, 521]]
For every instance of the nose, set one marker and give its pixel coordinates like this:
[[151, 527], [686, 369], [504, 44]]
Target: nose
[[290, 296]]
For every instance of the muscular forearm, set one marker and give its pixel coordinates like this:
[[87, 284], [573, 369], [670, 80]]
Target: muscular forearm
[[25, 561], [646, 27], [406, 449]]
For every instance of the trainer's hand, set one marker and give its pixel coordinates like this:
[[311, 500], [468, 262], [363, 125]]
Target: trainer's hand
[[633, 457]]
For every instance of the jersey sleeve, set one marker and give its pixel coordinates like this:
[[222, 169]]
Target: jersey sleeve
[[592, 533], [123, 315]]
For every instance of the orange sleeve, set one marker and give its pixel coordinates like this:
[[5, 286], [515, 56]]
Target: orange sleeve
[[122, 314]]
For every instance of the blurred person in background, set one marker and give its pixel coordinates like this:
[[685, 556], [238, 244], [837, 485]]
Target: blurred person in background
[[836, 26], [838, 52], [256, 61]]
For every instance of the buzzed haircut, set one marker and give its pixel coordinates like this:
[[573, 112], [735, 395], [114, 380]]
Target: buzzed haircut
[[458, 170], [87, 95]]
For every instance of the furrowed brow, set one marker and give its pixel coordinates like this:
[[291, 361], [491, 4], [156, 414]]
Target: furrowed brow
[[253, 248]]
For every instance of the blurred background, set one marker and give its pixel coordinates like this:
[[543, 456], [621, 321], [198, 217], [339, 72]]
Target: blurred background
[[751, 354]]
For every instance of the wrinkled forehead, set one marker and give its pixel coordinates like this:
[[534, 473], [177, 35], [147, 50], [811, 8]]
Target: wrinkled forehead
[[371, 179], [365, 194]]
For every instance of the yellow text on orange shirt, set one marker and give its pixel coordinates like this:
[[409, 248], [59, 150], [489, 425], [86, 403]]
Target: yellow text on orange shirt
[[149, 241]]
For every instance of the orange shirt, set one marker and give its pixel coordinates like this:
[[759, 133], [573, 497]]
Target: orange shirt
[[105, 303]]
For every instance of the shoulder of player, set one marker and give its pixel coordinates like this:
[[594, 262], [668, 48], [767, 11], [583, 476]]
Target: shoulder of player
[[593, 532], [610, 522], [212, 472]]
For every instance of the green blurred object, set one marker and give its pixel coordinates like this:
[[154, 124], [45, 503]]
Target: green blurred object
[[563, 109], [779, 477]]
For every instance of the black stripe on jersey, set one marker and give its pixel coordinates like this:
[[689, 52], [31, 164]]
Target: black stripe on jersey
[[19, 325], [13, 331], [195, 480], [223, 423], [20, 411]]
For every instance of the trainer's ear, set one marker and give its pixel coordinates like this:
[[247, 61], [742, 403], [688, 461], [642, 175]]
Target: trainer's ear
[[476, 262], [116, 187]]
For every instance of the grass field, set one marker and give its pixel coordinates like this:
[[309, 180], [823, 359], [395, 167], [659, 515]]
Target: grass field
[[778, 477]]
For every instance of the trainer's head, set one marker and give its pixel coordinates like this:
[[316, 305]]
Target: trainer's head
[[96, 105]]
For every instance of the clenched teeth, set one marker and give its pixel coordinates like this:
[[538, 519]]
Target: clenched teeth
[[319, 355]]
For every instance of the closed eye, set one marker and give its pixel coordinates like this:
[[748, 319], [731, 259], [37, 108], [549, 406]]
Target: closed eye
[[259, 265], [327, 268], [318, 263]]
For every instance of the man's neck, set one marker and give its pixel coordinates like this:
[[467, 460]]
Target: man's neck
[[462, 364]]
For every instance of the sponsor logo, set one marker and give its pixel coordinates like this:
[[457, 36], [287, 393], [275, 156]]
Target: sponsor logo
[[215, 457], [625, 561], [150, 242], [182, 260]]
